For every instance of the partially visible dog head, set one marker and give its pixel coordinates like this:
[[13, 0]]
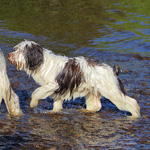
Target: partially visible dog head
[[27, 55]]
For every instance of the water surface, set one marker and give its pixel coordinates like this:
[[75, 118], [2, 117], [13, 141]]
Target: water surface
[[110, 31]]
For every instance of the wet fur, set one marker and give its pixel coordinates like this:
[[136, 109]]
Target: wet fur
[[64, 78], [6, 92], [33, 56], [70, 77]]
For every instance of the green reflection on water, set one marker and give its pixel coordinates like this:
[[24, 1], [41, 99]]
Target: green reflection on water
[[55, 19], [81, 22]]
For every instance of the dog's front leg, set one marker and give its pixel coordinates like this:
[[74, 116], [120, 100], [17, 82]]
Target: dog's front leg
[[57, 106], [42, 93]]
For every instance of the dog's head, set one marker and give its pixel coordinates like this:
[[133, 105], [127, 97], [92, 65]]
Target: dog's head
[[27, 55]]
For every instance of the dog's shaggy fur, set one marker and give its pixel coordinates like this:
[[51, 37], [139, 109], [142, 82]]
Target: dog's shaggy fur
[[6, 92], [64, 78]]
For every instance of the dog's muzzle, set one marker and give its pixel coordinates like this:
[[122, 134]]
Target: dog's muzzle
[[11, 59]]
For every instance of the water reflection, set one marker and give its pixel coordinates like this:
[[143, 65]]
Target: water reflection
[[71, 129], [109, 26], [108, 31]]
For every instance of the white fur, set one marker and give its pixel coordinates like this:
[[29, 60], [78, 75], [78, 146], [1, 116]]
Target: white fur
[[6, 92], [99, 80]]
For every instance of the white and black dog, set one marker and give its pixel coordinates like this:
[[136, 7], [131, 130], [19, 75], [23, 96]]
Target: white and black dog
[[6, 92], [64, 78]]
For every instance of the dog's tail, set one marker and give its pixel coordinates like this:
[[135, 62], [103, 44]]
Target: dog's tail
[[116, 69], [6, 92]]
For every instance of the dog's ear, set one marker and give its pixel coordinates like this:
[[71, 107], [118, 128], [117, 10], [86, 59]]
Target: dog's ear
[[33, 56]]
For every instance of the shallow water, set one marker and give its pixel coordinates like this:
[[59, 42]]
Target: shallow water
[[114, 33]]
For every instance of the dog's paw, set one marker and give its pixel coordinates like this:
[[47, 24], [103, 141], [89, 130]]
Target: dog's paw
[[33, 104]]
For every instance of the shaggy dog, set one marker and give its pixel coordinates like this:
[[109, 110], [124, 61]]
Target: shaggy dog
[[6, 92], [64, 78]]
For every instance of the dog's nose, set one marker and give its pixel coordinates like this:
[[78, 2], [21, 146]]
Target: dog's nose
[[9, 57]]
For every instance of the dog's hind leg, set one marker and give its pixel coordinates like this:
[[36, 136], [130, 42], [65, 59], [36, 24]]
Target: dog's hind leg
[[112, 88], [0, 95], [93, 102], [123, 102], [42, 93], [12, 102], [132, 106], [6, 92]]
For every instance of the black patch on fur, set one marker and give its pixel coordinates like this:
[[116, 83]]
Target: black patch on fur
[[116, 69], [33, 56], [70, 77], [93, 62], [121, 87]]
